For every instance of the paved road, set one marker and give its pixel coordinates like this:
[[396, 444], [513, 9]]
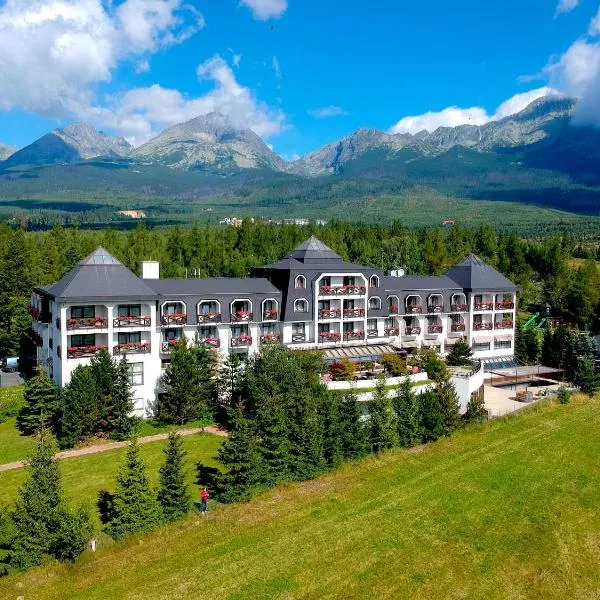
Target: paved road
[[113, 445]]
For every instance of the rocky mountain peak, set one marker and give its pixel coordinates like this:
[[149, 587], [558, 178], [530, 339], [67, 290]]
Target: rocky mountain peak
[[6, 151]]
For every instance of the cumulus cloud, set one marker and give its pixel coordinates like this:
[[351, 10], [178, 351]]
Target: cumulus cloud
[[565, 6], [577, 73], [475, 115], [327, 111], [142, 112], [266, 9], [54, 52]]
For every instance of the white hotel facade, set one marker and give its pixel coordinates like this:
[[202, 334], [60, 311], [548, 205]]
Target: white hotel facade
[[311, 299]]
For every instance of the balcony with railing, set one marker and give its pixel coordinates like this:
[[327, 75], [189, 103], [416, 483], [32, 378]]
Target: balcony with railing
[[504, 324], [413, 305], [353, 313], [457, 326], [83, 351], [75, 323], [435, 328], [132, 348], [372, 333], [483, 326], [208, 317], [123, 321], [329, 313], [210, 342], [504, 304], [354, 335], [173, 319], [270, 338], [483, 302], [299, 338], [270, 314], [241, 341], [167, 345], [390, 331], [458, 303], [330, 336], [435, 304], [412, 330], [342, 290]]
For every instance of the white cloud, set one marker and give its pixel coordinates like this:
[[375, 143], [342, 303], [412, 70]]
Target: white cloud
[[142, 112], [276, 67], [475, 115], [594, 28], [143, 67], [266, 9], [327, 111], [54, 52], [565, 6]]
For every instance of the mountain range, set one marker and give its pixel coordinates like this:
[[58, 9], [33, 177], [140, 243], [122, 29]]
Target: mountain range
[[534, 156]]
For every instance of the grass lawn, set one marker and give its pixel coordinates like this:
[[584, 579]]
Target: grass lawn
[[505, 510], [83, 477]]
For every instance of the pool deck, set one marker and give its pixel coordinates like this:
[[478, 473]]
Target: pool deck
[[501, 401]]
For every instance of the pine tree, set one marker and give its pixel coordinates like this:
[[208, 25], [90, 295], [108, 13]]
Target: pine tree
[[41, 403], [406, 407], [432, 418], [333, 446], [174, 493], [44, 526], [460, 354], [79, 407], [586, 377], [135, 507], [449, 405], [104, 371], [476, 411], [382, 421], [354, 431], [245, 472], [228, 387], [8, 533], [189, 386], [120, 420]]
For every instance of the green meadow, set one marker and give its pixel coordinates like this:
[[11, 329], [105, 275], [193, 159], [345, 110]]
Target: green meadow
[[504, 510]]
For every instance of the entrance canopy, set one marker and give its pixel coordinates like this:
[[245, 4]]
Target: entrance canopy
[[360, 353]]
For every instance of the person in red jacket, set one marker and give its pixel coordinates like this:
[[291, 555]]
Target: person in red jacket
[[204, 496]]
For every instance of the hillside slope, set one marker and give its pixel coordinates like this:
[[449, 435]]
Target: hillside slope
[[507, 510]]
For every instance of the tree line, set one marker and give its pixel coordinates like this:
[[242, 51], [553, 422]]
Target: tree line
[[543, 267]]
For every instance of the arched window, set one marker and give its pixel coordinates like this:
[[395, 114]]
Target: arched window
[[301, 305], [375, 303], [374, 281], [300, 282]]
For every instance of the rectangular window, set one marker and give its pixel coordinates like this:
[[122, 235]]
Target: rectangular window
[[481, 347], [325, 282], [504, 345], [240, 330], [130, 337], [164, 363], [136, 373], [78, 341], [372, 324], [83, 312], [324, 328], [207, 332], [171, 334], [324, 305], [298, 328], [349, 280], [129, 310]]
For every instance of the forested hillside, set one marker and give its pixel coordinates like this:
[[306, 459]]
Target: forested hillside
[[541, 266]]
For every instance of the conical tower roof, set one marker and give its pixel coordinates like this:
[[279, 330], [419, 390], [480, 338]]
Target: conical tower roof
[[472, 273], [313, 249], [99, 276]]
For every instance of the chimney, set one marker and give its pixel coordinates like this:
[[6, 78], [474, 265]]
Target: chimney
[[397, 273], [150, 269]]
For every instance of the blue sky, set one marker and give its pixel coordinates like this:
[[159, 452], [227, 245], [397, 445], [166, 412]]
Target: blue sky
[[301, 73]]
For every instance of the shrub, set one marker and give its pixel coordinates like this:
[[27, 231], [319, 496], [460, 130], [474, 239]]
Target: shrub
[[394, 365], [564, 395]]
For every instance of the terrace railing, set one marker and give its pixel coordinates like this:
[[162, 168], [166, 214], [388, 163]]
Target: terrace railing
[[210, 342], [132, 348], [412, 330], [392, 331], [354, 312], [504, 324], [342, 290], [484, 326], [173, 319], [298, 338], [483, 306], [87, 323], [241, 341], [209, 317], [459, 307], [83, 351], [372, 333], [505, 304], [138, 321], [330, 313], [354, 335], [414, 309], [329, 336]]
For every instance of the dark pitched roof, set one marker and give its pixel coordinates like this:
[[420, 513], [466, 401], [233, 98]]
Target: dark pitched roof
[[472, 273], [217, 286], [99, 275], [313, 250], [420, 282]]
